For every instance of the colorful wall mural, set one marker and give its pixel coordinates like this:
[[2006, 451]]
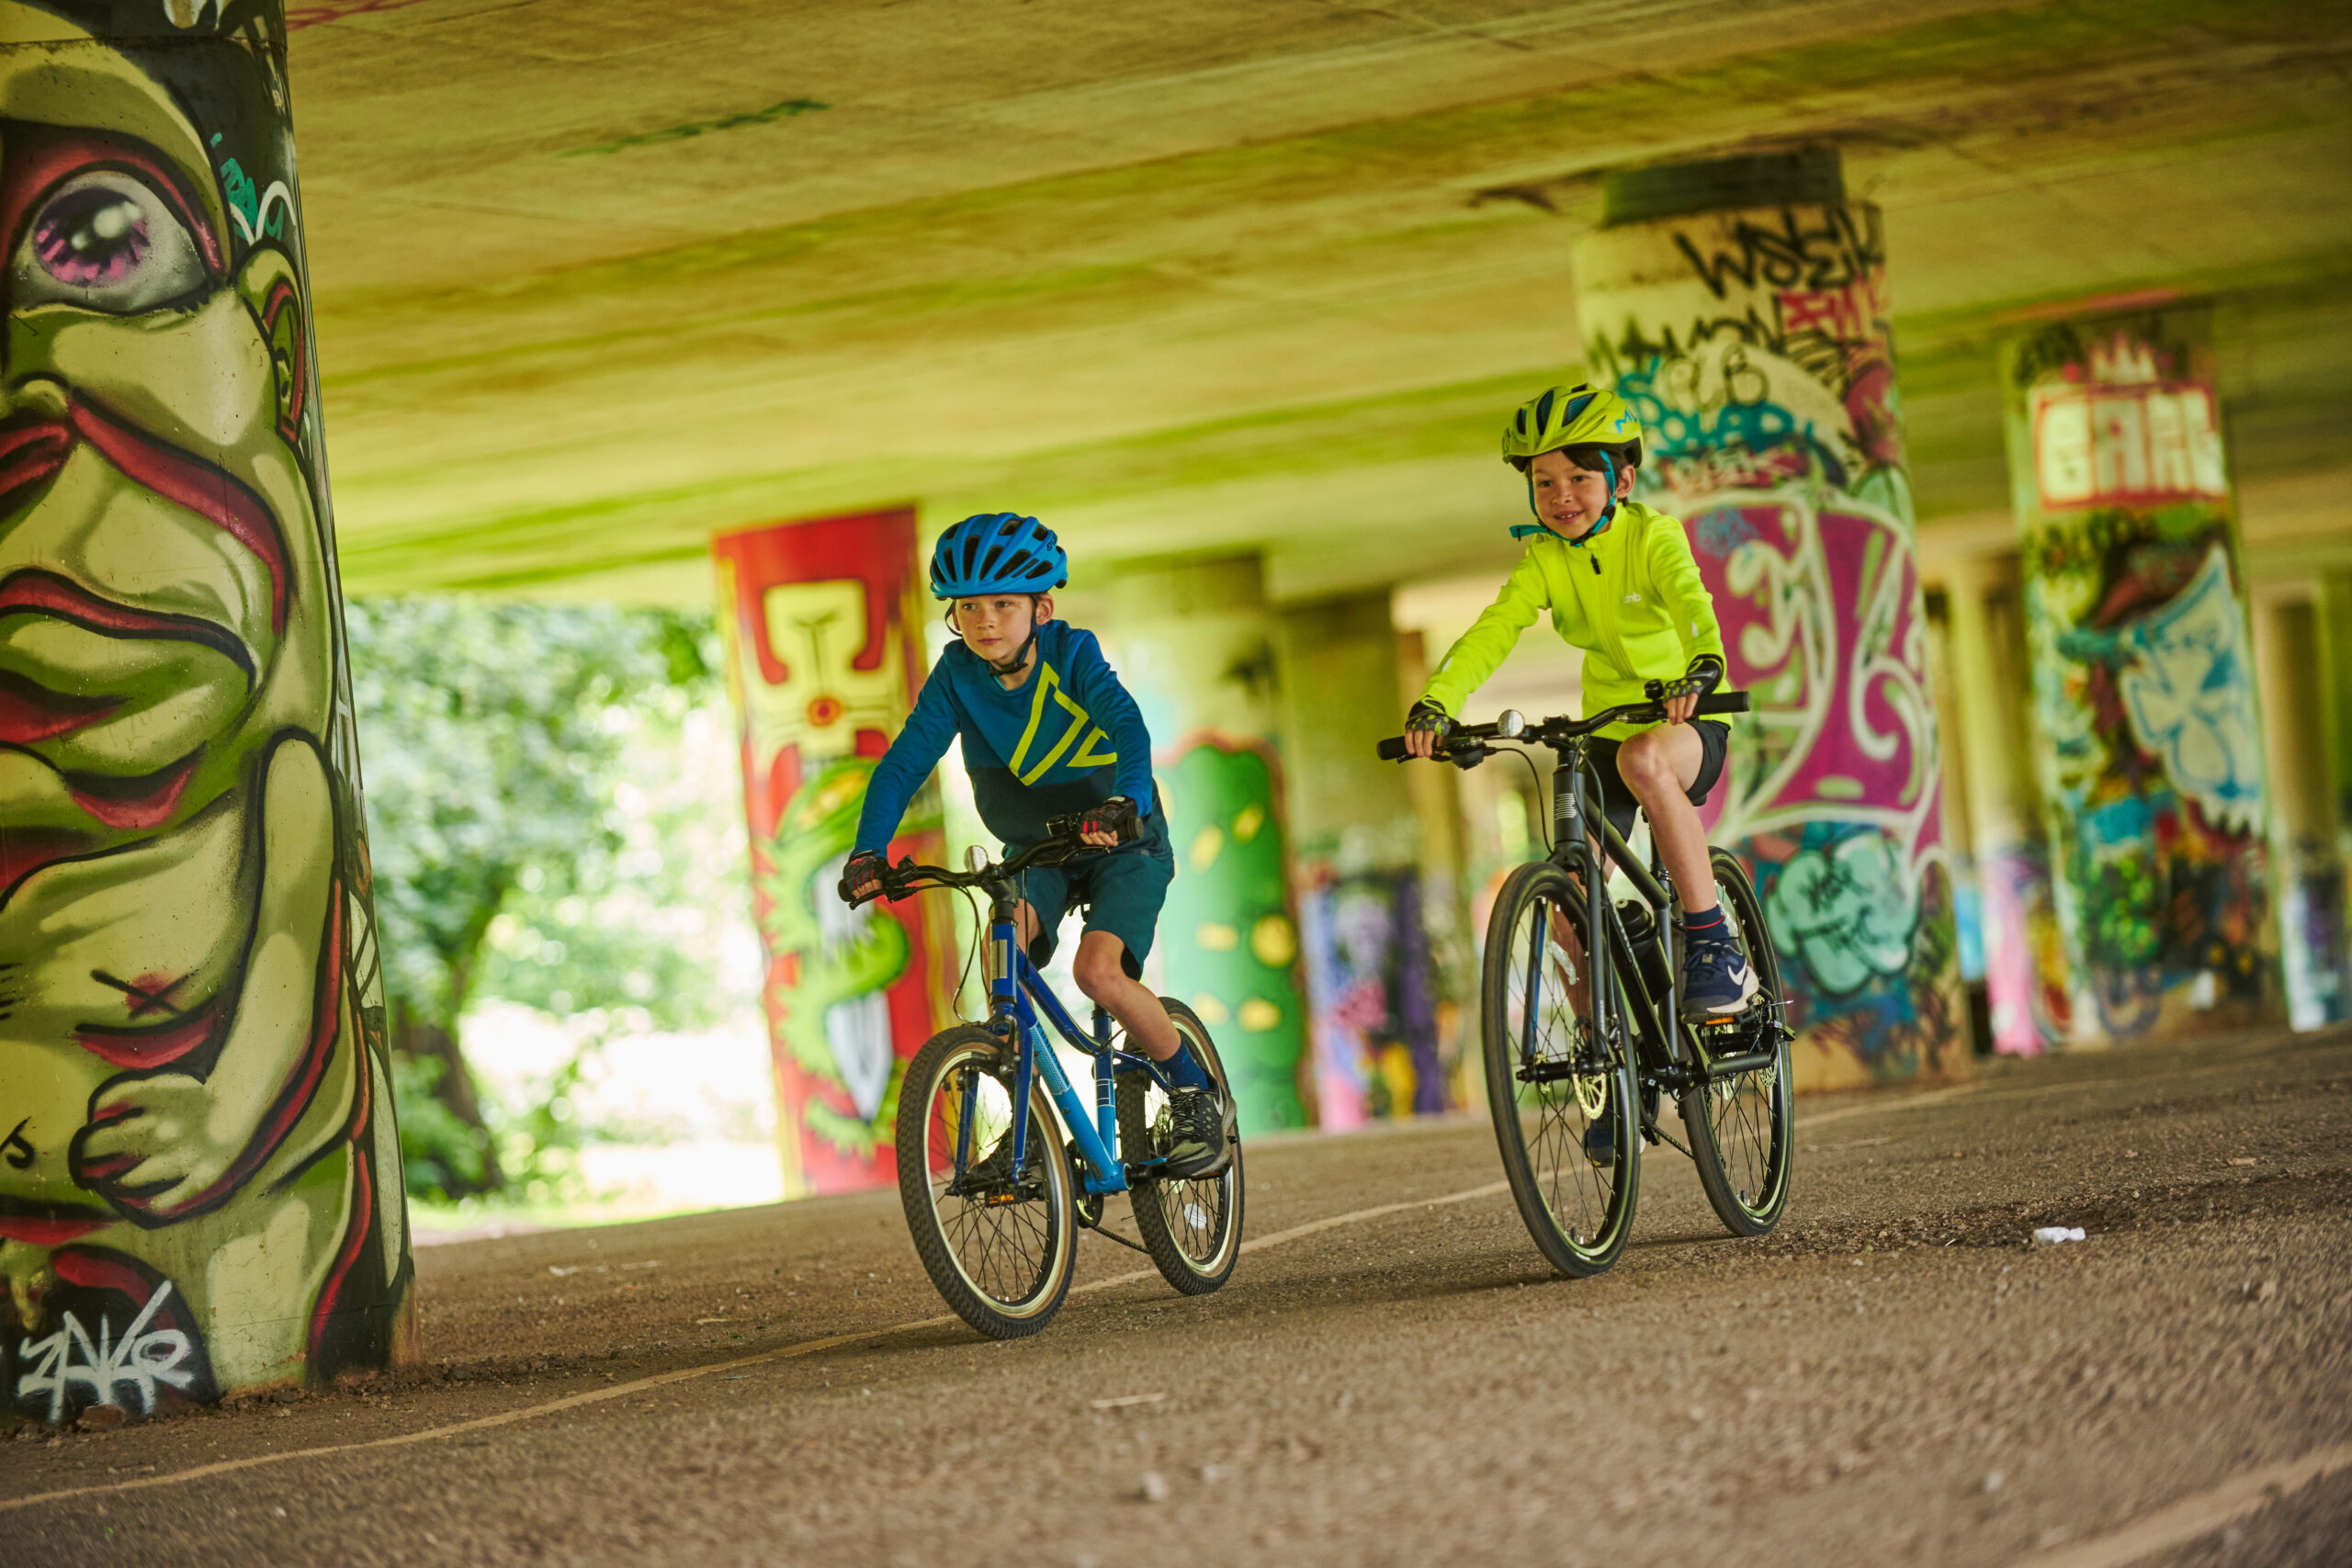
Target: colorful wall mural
[[200, 1186], [1195, 645], [2143, 700], [1756, 346], [824, 659], [1226, 935], [1369, 972]]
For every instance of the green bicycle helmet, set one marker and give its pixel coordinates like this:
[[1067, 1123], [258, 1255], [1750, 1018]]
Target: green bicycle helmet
[[1582, 416]]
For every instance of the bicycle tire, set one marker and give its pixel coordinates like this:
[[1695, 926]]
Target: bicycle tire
[[1191, 1227], [1578, 1210], [1003, 1262], [1743, 1127]]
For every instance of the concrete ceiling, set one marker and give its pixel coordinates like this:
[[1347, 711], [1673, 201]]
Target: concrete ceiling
[[594, 279]]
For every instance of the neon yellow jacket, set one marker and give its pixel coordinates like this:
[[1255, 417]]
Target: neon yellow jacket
[[1630, 597]]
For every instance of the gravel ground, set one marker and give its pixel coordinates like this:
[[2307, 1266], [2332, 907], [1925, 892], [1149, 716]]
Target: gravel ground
[[1892, 1377]]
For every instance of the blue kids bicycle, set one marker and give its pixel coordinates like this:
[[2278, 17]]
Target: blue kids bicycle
[[995, 1200]]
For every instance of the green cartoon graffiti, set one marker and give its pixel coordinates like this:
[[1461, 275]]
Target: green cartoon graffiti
[[1227, 928], [833, 1020]]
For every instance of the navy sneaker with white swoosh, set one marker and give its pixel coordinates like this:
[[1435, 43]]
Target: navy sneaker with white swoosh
[[1716, 976]]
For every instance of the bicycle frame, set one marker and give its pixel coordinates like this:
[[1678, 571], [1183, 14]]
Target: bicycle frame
[[1661, 1050], [1019, 998], [1573, 830]]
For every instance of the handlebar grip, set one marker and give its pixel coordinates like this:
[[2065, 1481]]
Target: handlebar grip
[[1393, 749], [1723, 702]]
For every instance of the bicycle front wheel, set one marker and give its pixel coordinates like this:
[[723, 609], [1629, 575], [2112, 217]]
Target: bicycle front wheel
[[1192, 1228], [997, 1242], [1561, 1095], [1742, 1125]]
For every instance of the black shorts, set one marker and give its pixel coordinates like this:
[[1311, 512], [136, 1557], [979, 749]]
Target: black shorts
[[1714, 741]]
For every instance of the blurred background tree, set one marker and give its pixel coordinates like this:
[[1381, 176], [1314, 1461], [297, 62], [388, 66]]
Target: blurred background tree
[[524, 849]]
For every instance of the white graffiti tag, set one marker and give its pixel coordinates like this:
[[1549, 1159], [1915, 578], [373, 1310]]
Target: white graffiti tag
[[2191, 694], [141, 1359]]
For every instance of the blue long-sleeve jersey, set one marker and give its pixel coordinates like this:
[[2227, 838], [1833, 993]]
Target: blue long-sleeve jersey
[[1068, 738]]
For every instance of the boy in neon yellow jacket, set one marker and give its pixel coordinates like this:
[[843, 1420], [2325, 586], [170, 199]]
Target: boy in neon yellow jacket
[[1620, 583]]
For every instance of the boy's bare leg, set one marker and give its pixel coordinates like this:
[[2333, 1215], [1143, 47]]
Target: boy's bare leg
[[1100, 970], [1659, 766]]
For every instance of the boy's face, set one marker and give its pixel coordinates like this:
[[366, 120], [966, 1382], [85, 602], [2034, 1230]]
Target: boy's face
[[995, 626], [1568, 499]]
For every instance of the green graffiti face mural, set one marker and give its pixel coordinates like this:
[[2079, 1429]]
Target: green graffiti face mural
[[202, 1189], [1227, 930]]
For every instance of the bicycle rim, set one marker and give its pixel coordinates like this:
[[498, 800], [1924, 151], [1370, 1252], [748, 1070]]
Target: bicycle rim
[[1191, 1227], [1742, 1126], [997, 1242], [1562, 1098]]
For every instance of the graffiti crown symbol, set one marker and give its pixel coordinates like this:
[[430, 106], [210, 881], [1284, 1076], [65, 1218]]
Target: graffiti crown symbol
[[2120, 362]]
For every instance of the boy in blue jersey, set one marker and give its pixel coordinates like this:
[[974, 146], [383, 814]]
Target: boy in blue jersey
[[1048, 731]]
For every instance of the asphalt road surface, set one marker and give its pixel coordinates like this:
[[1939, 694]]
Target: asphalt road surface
[[1394, 1376]]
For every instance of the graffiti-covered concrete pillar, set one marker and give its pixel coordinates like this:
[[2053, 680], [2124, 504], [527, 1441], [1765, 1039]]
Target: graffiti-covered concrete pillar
[[2316, 959], [2024, 961], [200, 1189], [1740, 306], [2148, 743], [824, 659], [1196, 645], [1355, 843]]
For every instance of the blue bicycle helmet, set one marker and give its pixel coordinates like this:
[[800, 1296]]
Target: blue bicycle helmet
[[997, 552]]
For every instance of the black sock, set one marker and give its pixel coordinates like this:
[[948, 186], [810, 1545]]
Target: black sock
[[1709, 924]]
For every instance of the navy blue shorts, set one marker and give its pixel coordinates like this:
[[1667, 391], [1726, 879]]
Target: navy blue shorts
[[1123, 892]]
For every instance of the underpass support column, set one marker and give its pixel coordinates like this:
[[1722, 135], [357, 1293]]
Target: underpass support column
[[2312, 949], [1195, 642], [2025, 963], [201, 1181], [1740, 306], [825, 655], [1355, 848], [2147, 737]]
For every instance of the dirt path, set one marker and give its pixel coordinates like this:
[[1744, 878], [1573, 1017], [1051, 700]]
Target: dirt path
[[1394, 1376]]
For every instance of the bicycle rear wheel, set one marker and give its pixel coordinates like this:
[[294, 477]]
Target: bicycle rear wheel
[[1561, 1096], [997, 1243], [1742, 1125], [1192, 1228]]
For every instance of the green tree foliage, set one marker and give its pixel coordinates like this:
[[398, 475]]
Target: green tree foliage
[[517, 852]]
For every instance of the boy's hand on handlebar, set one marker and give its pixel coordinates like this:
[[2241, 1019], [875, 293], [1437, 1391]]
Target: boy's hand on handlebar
[[863, 875], [1681, 697], [1426, 727], [1111, 823]]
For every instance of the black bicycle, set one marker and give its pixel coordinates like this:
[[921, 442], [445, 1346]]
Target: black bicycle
[[1579, 1055]]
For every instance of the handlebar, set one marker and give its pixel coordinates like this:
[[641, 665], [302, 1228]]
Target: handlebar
[[1061, 846], [1466, 742]]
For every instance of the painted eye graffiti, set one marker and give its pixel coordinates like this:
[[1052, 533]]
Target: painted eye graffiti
[[105, 241]]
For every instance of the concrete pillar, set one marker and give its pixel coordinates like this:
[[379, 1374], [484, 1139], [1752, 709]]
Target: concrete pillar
[[1445, 894], [825, 655], [2333, 613], [2304, 824], [1356, 843], [2147, 742], [2025, 965], [1197, 644], [200, 1189], [1740, 306]]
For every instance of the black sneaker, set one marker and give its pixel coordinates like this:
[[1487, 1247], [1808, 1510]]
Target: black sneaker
[[1601, 1144], [1716, 977], [1195, 1132]]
